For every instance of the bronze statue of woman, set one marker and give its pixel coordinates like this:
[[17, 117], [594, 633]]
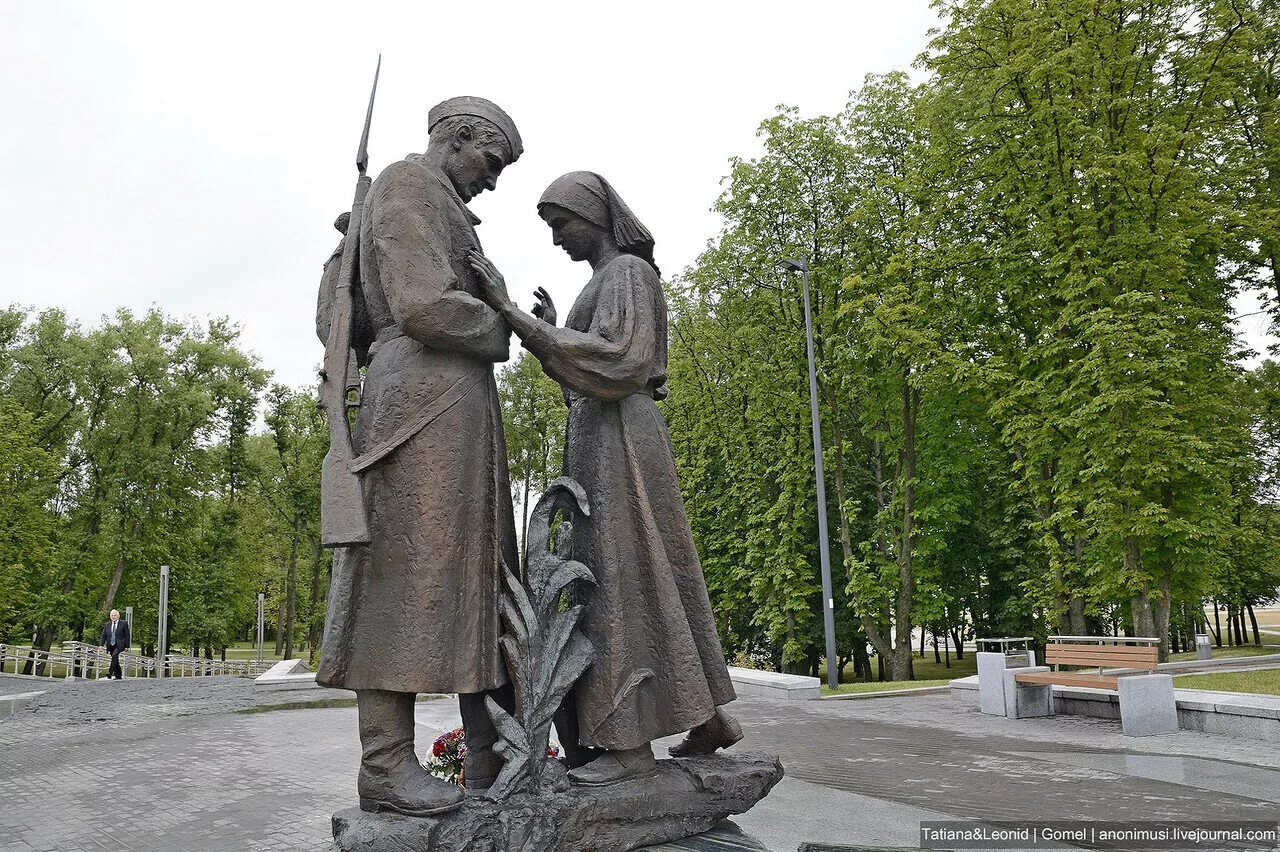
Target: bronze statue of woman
[[661, 669]]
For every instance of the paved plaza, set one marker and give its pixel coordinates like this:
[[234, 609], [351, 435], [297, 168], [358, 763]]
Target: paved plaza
[[139, 765]]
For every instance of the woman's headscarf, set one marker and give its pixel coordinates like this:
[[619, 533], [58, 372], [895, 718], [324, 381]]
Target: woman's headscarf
[[590, 196]]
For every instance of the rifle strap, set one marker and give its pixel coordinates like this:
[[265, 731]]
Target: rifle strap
[[419, 421]]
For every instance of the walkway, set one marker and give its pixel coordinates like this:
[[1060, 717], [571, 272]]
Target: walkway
[[159, 772]]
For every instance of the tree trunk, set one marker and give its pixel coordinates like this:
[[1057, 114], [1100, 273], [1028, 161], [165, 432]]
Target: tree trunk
[[280, 628], [1140, 603], [901, 666], [42, 642], [117, 574], [315, 621], [958, 638], [1075, 616], [937, 653], [1163, 599], [292, 593], [1164, 596], [878, 631], [1217, 622], [1253, 619]]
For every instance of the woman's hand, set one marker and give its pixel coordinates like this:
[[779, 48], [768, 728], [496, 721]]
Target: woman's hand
[[493, 287], [545, 310]]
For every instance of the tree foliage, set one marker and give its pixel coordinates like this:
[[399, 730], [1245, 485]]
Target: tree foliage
[[1022, 269]]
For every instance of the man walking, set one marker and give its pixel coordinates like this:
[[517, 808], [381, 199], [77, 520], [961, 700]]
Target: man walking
[[116, 639], [416, 610]]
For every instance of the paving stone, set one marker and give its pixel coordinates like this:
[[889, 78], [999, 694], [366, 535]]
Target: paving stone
[[164, 774]]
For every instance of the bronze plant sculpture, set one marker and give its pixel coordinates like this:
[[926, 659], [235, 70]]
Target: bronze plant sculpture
[[546, 653]]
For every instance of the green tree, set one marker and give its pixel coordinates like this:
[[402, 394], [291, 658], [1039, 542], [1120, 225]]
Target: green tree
[[288, 472], [1083, 134]]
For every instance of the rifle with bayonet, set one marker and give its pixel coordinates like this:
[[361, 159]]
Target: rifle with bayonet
[[344, 520]]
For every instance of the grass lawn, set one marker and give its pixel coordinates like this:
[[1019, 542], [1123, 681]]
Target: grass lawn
[[887, 686], [249, 651], [1263, 681], [1269, 619], [1227, 651], [927, 672]]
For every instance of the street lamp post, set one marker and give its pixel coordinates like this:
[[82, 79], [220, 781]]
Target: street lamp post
[[828, 601], [162, 628]]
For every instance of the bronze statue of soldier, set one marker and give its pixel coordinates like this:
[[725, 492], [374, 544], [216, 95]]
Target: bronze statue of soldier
[[416, 609]]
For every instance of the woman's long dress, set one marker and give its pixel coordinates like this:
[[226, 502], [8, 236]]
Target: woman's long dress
[[661, 669]]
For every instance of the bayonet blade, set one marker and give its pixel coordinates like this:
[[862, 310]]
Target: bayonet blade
[[362, 156]]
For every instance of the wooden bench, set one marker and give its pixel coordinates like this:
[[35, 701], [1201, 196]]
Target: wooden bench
[[1147, 704], [1100, 656]]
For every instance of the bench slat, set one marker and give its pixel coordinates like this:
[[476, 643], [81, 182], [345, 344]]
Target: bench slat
[[1108, 658], [1117, 650], [1102, 664], [1084, 655], [1069, 679]]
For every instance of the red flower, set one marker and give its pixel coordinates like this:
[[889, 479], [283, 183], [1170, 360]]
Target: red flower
[[437, 749]]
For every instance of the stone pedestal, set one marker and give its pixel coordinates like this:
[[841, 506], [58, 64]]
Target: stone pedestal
[[685, 797], [1147, 705], [1027, 700]]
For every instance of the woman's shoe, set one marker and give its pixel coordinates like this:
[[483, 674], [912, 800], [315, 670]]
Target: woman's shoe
[[614, 766], [720, 731]]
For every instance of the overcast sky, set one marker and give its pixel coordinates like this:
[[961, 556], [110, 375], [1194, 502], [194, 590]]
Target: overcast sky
[[194, 156]]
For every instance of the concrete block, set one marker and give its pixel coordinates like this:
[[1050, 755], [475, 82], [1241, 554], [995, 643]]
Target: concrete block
[[1147, 705], [286, 675], [965, 690], [762, 684], [991, 669], [1245, 710], [1026, 700]]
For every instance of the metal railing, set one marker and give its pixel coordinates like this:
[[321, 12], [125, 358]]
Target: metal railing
[[1003, 643], [81, 659], [1108, 640]]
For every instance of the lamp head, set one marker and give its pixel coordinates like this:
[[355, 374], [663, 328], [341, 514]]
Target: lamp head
[[800, 265]]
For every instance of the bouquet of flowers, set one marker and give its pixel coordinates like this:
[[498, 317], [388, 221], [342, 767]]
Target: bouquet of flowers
[[447, 754], [450, 750]]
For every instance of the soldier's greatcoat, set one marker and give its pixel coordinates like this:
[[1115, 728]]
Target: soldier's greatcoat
[[416, 610]]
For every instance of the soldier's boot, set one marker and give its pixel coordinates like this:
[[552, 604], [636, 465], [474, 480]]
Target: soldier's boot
[[391, 778], [720, 731], [613, 766], [482, 764]]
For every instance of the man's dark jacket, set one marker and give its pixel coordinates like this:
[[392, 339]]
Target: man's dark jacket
[[122, 636]]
